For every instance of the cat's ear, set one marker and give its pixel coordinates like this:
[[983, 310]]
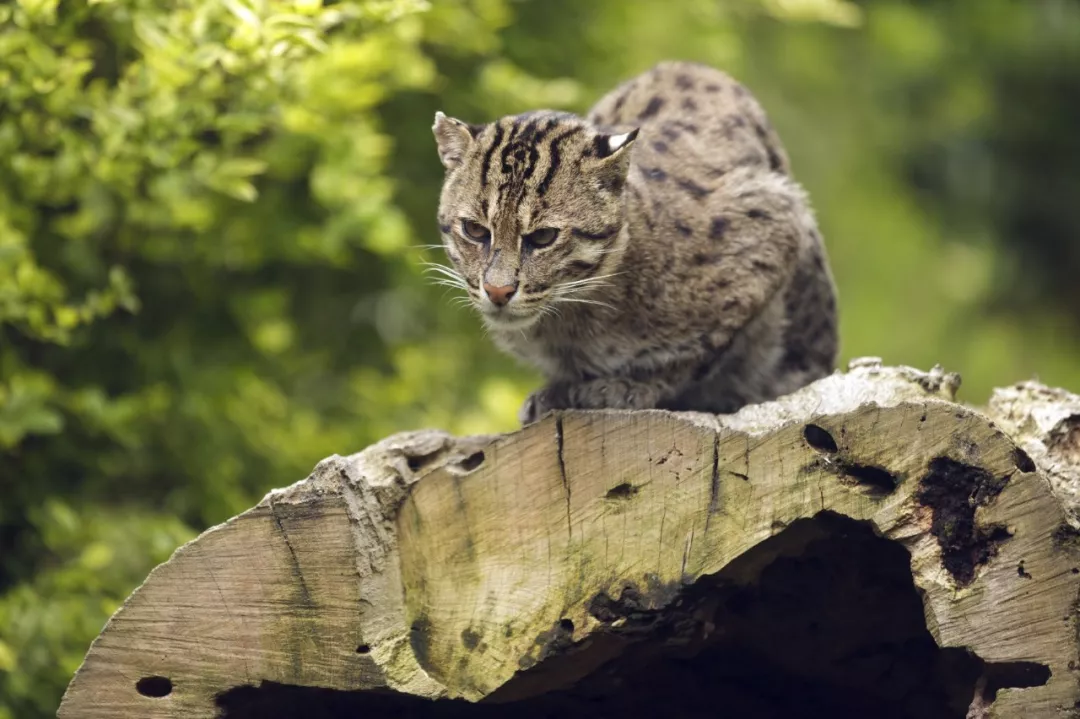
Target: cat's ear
[[454, 139], [615, 145], [613, 151]]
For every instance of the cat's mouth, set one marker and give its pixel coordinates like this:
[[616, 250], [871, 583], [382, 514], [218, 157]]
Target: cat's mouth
[[509, 317]]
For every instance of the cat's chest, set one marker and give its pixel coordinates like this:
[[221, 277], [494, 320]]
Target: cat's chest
[[607, 349]]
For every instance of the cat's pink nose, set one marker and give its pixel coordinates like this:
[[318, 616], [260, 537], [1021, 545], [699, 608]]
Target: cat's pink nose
[[500, 295]]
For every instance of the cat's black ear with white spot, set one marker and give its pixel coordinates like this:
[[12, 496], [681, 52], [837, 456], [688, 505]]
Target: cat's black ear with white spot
[[454, 138], [611, 145]]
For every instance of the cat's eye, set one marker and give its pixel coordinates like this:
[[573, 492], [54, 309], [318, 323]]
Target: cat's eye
[[542, 237], [475, 231]]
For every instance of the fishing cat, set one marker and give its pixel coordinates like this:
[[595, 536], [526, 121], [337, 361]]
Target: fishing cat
[[656, 253]]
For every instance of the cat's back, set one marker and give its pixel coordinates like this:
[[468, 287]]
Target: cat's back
[[716, 219], [693, 117]]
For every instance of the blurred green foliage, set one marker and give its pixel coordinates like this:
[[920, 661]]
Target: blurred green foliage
[[212, 215]]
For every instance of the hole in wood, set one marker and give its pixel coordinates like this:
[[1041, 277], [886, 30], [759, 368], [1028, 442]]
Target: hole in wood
[[363, 649], [818, 438], [875, 479], [1013, 675], [824, 621], [622, 491], [156, 687], [419, 461], [1022, 461], [473, 461], [953, 491]]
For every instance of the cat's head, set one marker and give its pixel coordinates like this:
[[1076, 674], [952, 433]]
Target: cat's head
[[532, 210]]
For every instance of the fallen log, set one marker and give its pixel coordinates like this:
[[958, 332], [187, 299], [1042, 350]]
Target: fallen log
[[863, 547]]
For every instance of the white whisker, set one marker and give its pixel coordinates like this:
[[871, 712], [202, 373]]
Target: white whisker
[[582, 300], [587, 280], [456, 279], [442, 269], [571, 291], [575, 286], [548, 311], [436, 267], [453, 284], [434, 272], [441, 274]]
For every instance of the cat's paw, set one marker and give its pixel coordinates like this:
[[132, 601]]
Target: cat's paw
[[606, 393], [541, 402], [613, 393], [533, 408], [530, 410]]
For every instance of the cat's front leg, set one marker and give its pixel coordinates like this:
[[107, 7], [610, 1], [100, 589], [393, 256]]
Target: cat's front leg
[[603, 393]]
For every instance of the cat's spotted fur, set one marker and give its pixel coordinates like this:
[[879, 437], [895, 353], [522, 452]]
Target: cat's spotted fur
[[687, 271]]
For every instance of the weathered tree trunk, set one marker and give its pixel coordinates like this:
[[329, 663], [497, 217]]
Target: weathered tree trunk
[[865, 547]]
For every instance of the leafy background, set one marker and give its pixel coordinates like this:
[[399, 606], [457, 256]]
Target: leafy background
[[211, 214]]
